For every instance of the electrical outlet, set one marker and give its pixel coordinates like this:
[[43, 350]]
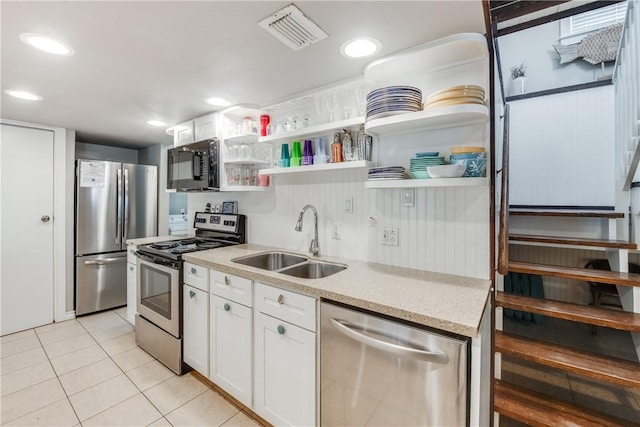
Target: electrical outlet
[[348, 205], [335, 231], [390, 236]]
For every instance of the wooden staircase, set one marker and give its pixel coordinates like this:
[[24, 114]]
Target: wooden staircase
[[533, 408]]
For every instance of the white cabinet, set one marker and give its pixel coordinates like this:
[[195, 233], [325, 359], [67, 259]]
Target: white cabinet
[[232, 287], [231, 347], [183, 134], [132, 291], [195, 340], [285, 356], [205, 127], [285, 372], [132, 285]]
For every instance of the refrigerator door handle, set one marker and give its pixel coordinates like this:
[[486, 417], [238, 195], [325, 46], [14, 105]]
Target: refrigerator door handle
[[358, 334], [126, 205], [119, 208], [103, 261]]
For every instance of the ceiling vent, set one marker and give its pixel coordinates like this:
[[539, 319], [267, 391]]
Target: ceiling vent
[[293, 28]]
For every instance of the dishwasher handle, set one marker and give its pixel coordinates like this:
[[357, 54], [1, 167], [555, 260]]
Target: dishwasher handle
[[358, 334]]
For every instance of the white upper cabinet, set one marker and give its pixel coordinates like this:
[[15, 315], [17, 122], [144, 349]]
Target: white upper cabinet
[[205, 127], [182, 133]]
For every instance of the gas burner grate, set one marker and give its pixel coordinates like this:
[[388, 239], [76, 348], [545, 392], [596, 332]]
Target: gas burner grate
[[164, 245]]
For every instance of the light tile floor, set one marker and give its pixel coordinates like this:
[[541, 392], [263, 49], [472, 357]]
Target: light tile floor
[[90, 372], [606, 398]]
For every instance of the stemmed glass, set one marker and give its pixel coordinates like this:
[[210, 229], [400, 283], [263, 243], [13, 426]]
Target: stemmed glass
[[320, 103], [332, 105], [348, 101], [361, 99]]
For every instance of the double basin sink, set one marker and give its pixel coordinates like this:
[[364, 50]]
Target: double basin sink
[[291, 265]]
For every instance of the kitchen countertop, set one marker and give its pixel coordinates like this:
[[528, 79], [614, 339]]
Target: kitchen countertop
[[443, 301], [154, 239]]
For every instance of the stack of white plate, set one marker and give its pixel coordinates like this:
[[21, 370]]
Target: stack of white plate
[[456, 95], [392, 100], [387, 172]]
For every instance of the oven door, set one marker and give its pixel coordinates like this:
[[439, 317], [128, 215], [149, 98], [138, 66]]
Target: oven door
[[159, 292]]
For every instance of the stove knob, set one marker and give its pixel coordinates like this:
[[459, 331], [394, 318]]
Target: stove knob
[[232, 223]]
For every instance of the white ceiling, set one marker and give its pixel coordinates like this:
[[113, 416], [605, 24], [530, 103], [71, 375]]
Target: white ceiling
[[136, 61]]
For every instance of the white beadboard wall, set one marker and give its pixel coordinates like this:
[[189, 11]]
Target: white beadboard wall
[[560, 148], [447, 230]]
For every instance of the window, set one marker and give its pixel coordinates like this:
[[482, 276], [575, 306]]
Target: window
[[574, 28]]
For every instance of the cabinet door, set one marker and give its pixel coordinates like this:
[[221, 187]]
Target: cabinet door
[[205, 127], [285, 372], [131, 293], [231, 348], [183, 134], [196, 329]]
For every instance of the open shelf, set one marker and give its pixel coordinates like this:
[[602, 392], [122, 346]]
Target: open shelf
[[313, 131], [431, 118], [250, 138], [447, 52], [229, 188], [436, 182], [360, 164], [257, 162]]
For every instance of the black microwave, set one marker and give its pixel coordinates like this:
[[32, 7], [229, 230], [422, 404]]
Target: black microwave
[[194, 167]]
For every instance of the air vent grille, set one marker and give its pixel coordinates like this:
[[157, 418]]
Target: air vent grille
[[293, 28]]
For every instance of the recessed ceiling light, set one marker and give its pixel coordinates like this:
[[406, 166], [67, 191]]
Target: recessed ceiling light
[[23, 95], [47, 44], [360, 47], [158, 123], [218, 102]]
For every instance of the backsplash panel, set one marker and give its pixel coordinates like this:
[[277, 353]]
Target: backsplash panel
[[446, 231]]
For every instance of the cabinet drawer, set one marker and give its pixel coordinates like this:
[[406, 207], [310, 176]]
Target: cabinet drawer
[[286, 305], [131, 254], [237, 289], [196, 276]]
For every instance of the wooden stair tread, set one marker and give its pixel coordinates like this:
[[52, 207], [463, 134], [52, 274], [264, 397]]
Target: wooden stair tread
[[586, 274], [621, 320], [574, 241], [567, 213], [608, 369], [539, 410]]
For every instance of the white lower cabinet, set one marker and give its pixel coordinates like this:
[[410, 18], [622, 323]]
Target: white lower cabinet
[[131, 293], [231, 352], [195, 340], [285, 372]]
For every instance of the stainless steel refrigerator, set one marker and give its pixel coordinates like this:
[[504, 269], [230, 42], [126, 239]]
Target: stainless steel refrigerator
[[114, 202]]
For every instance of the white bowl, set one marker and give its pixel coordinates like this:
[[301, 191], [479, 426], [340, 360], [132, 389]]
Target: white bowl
[[446, 171]]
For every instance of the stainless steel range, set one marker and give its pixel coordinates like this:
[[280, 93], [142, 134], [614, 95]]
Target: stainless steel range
[[159, 281]]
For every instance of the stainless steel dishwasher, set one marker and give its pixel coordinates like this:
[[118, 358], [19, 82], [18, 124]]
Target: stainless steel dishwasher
[[377, 372]]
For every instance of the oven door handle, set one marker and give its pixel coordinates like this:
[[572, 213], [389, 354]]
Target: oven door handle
[[157, 260]]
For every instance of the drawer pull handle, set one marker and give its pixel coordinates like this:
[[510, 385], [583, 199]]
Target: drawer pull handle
[[227, 281], [280, 329], [193, 270], [281, 299], [192, 294], [227, 307]]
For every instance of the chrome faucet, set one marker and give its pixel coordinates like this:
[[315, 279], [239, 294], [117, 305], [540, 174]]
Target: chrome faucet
[[314, 249]]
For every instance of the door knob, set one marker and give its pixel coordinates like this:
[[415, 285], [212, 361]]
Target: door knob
[[45, 218]]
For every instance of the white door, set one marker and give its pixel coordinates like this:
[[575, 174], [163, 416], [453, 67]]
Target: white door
[[26, 181], [285, 372], [231, 348], [195, 348]]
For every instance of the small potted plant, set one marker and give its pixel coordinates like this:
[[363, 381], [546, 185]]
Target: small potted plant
[[518, 79]]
